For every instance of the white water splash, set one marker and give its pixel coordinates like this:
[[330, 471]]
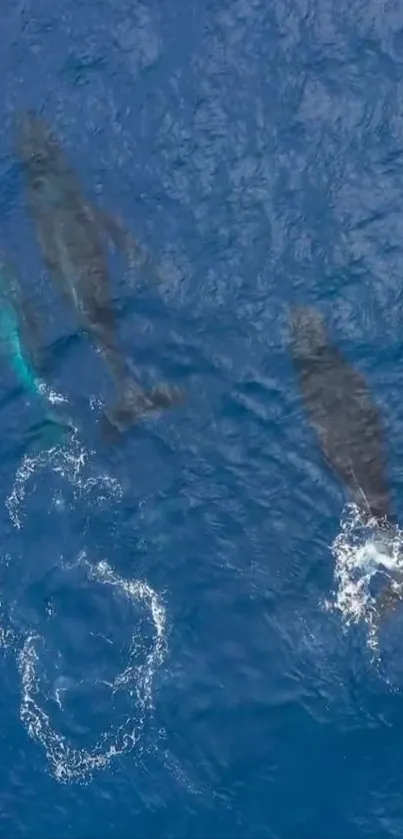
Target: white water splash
[[8, 638], [360, 552], [68, 763], [72, 462], [49, 394]]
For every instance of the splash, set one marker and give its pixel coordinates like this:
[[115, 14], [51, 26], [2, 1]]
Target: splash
[[72, 462], [49, 394], [8, 636], [67, 762], [361, 553]]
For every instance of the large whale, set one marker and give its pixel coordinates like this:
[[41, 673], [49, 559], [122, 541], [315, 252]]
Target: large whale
[[70, 230], [340, 407], [20, 339], [348, 426]]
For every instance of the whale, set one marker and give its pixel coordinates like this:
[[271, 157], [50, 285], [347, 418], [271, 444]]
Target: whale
[[71, 230], [343, 413], [349, 431]]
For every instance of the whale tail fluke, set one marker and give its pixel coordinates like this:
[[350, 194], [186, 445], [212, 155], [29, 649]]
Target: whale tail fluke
[[135, 403]]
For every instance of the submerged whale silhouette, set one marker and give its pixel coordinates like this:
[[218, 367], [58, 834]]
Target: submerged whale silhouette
[[340, 407], [69, 229], [349, 429]]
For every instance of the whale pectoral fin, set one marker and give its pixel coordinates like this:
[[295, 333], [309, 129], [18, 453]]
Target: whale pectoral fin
[[124, 241], [26, 321], [31, 328], [135, 403]]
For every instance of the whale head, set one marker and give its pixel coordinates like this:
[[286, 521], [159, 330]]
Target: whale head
[[35, 144], [308, 332]]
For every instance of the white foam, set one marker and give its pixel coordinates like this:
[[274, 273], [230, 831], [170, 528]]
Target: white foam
[[8, 638], [72, 462], [359, 554], [49, 394], [68, 763]]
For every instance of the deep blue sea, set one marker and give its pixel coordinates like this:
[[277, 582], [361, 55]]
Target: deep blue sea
[[185, 648]]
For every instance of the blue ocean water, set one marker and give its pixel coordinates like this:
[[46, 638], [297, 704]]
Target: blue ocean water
[[169, 665]]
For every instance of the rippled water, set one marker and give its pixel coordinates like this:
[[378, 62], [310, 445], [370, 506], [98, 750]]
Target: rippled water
[[186, 620]]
